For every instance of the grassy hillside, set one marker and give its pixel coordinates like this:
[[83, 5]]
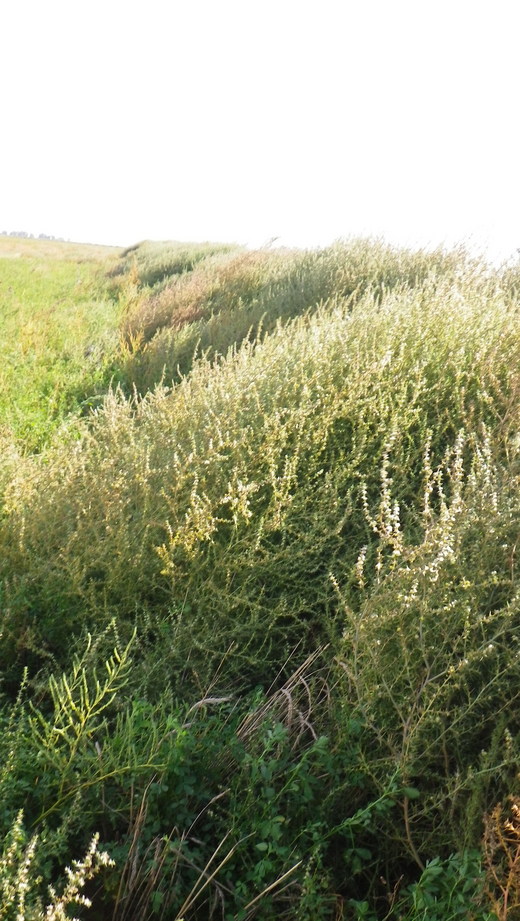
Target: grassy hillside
[[259, 515]]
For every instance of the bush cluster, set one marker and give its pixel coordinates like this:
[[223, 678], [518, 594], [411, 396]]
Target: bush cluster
[[230, 298], [260, 607]]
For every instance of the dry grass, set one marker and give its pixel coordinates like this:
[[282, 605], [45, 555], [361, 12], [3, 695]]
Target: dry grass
[[22, 248], [501, 846], [186, 298]]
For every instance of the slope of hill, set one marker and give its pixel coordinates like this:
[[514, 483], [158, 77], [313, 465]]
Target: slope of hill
[[259, 515]]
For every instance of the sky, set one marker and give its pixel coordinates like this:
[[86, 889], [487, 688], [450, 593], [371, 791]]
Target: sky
[[245, 121]]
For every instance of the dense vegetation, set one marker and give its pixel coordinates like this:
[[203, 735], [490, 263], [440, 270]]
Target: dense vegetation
[[260, 612]]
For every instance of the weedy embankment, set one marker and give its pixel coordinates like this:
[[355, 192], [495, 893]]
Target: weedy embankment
[[260, 607]]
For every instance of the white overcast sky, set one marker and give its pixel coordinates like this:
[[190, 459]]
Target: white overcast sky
[[242, 120]]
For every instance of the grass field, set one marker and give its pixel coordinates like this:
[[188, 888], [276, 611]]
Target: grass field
[[259, 622], [58, 331]]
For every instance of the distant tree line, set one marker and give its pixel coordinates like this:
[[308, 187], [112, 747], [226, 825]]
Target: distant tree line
[[30, 236]]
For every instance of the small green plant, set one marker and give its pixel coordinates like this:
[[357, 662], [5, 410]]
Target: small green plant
[[448, 890], [80, 702]]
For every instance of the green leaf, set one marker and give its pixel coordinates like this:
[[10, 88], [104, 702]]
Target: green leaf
[[411, 792]]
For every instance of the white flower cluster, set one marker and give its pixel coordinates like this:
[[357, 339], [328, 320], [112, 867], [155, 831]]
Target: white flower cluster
[[17, 884]]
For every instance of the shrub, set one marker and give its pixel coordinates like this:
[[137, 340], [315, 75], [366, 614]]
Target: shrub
[[226, 301], [156, 261], [431, 657], [229, 499]]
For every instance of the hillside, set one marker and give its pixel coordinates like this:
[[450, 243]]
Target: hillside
[[259, 516]]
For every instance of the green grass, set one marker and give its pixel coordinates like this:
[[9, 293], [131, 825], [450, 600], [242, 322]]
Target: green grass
[[58, 337], [259, 627]]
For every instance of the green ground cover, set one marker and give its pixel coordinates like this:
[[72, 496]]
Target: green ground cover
[[58, 331], [259, 596]]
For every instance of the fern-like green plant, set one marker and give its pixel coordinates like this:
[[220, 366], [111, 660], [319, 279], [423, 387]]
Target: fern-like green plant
[[80, 701]]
